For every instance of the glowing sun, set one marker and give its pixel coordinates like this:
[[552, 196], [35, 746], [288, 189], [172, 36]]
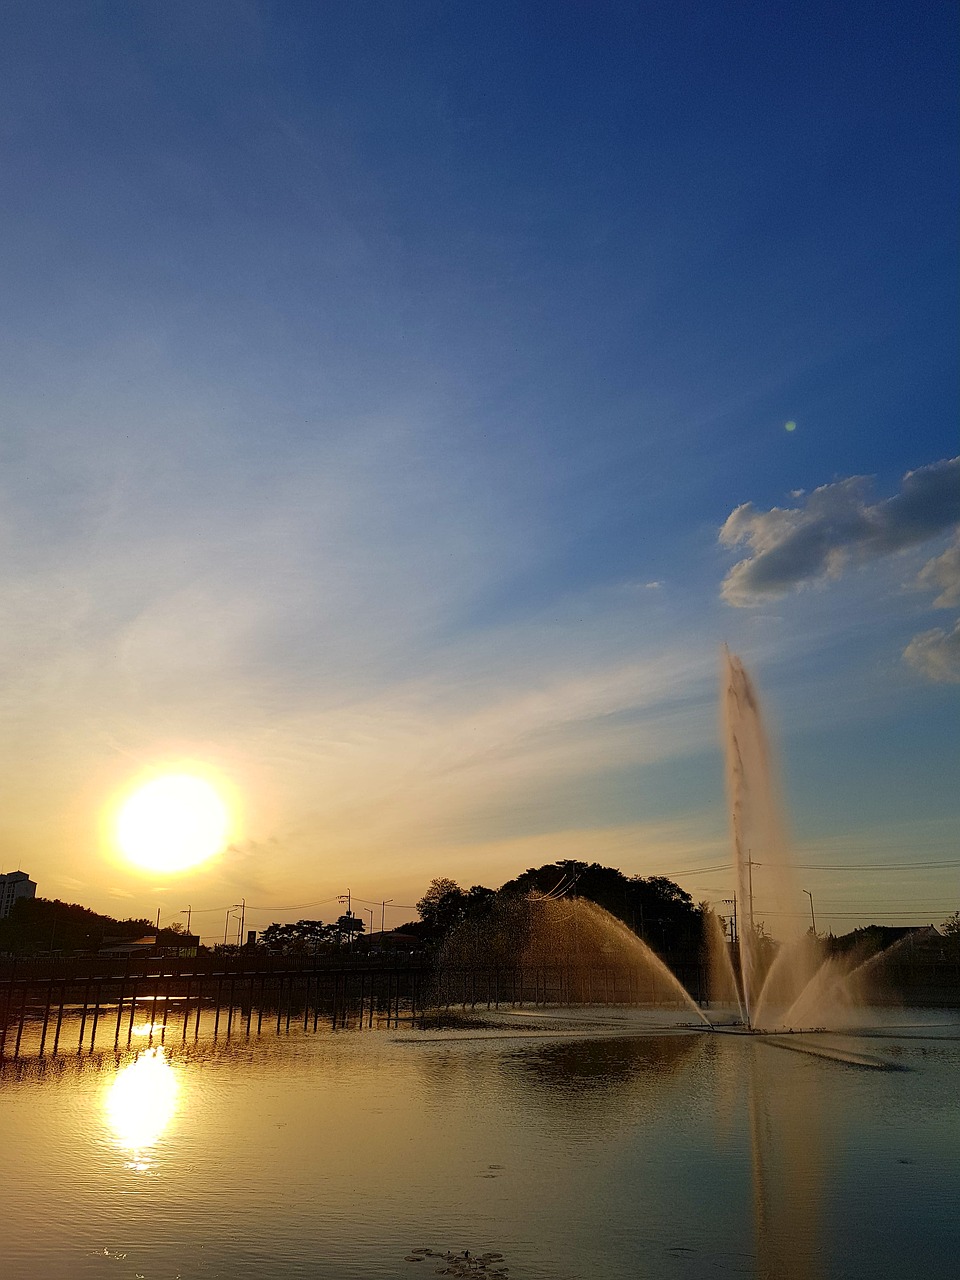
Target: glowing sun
[[172, 822]]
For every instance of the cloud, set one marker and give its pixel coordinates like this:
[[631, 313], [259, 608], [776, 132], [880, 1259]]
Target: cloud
[[936, 654], [835, 526], [943, 573]]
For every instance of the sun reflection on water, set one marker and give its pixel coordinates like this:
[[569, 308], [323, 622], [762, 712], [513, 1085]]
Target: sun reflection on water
[[148, 1029], [141, 1103]]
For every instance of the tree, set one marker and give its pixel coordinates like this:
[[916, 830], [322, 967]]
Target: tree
[[951, 926], [445, 905], [304, 936], [655, 908], [440, 887]]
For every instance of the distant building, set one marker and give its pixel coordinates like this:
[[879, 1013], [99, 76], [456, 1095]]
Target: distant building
[[14, 885], [392, 941], [129, 946]]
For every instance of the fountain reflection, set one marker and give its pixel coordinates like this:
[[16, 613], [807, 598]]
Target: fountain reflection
[[141, 1103], [571, 1071], [787, 1154]]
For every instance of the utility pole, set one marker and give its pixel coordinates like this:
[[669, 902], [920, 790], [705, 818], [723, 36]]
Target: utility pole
[[243, 912], [158, 919], [187, 914], [732, 902], [813, 918], [345, 897], [749, 925]]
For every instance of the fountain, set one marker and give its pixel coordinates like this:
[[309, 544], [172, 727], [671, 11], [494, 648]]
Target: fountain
[[791, 984]]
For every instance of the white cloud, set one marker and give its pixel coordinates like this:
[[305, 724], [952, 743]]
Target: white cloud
[[835, 526], [936, 654], [943, 573]]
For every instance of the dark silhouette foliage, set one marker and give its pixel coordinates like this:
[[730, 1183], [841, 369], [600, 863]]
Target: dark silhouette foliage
[[37, 926], [656, 909]]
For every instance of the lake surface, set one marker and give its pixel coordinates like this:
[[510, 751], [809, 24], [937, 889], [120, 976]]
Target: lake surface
[[663, 1154]]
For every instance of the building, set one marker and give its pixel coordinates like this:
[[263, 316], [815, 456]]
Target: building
[[129, 946], [14, 885]]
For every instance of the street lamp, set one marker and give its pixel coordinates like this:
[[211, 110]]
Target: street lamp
[[813, 918], [226, 922]]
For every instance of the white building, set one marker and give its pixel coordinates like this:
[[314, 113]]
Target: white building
[[14, 885]]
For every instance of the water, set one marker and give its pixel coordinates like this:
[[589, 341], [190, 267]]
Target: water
[[791, 982], [652, 1152], [570, 935]]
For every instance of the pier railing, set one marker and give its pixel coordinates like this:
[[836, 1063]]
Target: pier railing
[[75, 1006]]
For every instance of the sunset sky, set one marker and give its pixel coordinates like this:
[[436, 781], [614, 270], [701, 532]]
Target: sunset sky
[[403, 402]]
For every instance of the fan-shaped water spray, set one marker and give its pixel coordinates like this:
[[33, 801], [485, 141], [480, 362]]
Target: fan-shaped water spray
[[787, 983]]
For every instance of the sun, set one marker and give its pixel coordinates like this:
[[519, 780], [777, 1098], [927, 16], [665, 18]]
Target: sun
[[171, 823]]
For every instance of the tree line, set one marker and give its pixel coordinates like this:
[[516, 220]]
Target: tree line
[[655, 908]]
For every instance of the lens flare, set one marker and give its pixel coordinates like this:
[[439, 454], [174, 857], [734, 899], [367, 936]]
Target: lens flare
[[172, 823]]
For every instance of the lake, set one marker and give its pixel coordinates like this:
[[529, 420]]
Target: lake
[[573, 1149]]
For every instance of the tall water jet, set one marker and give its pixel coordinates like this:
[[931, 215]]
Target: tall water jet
[[771, 979]]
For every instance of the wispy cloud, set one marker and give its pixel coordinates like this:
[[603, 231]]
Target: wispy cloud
[[942, 574], [936, 654], [835, 526]]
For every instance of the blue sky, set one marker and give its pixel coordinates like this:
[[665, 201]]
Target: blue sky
[[378, 379]]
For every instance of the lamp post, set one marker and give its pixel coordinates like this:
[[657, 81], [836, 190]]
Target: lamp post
[[383, 911], [813, 918], [369, 911], [226, 922]]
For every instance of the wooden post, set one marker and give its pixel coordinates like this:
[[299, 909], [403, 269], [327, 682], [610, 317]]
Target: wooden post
[[196, 1024], [56, 1034], [216, 1019], [83, 1019], [96, 1015], [123, 991], [22, 1018], [233, 987], [6, 1018], [46, 1016], [186, 1010], [166, 1008], [133, 1009]]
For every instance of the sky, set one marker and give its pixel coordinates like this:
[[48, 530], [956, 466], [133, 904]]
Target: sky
[[403, 403]]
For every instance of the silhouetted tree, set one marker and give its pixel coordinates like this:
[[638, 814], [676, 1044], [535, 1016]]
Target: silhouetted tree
[[655, 908], [445, 905], [38, 925], [304, 936]]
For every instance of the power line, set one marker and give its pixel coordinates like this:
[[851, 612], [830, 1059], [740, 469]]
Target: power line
[[867, 866]]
